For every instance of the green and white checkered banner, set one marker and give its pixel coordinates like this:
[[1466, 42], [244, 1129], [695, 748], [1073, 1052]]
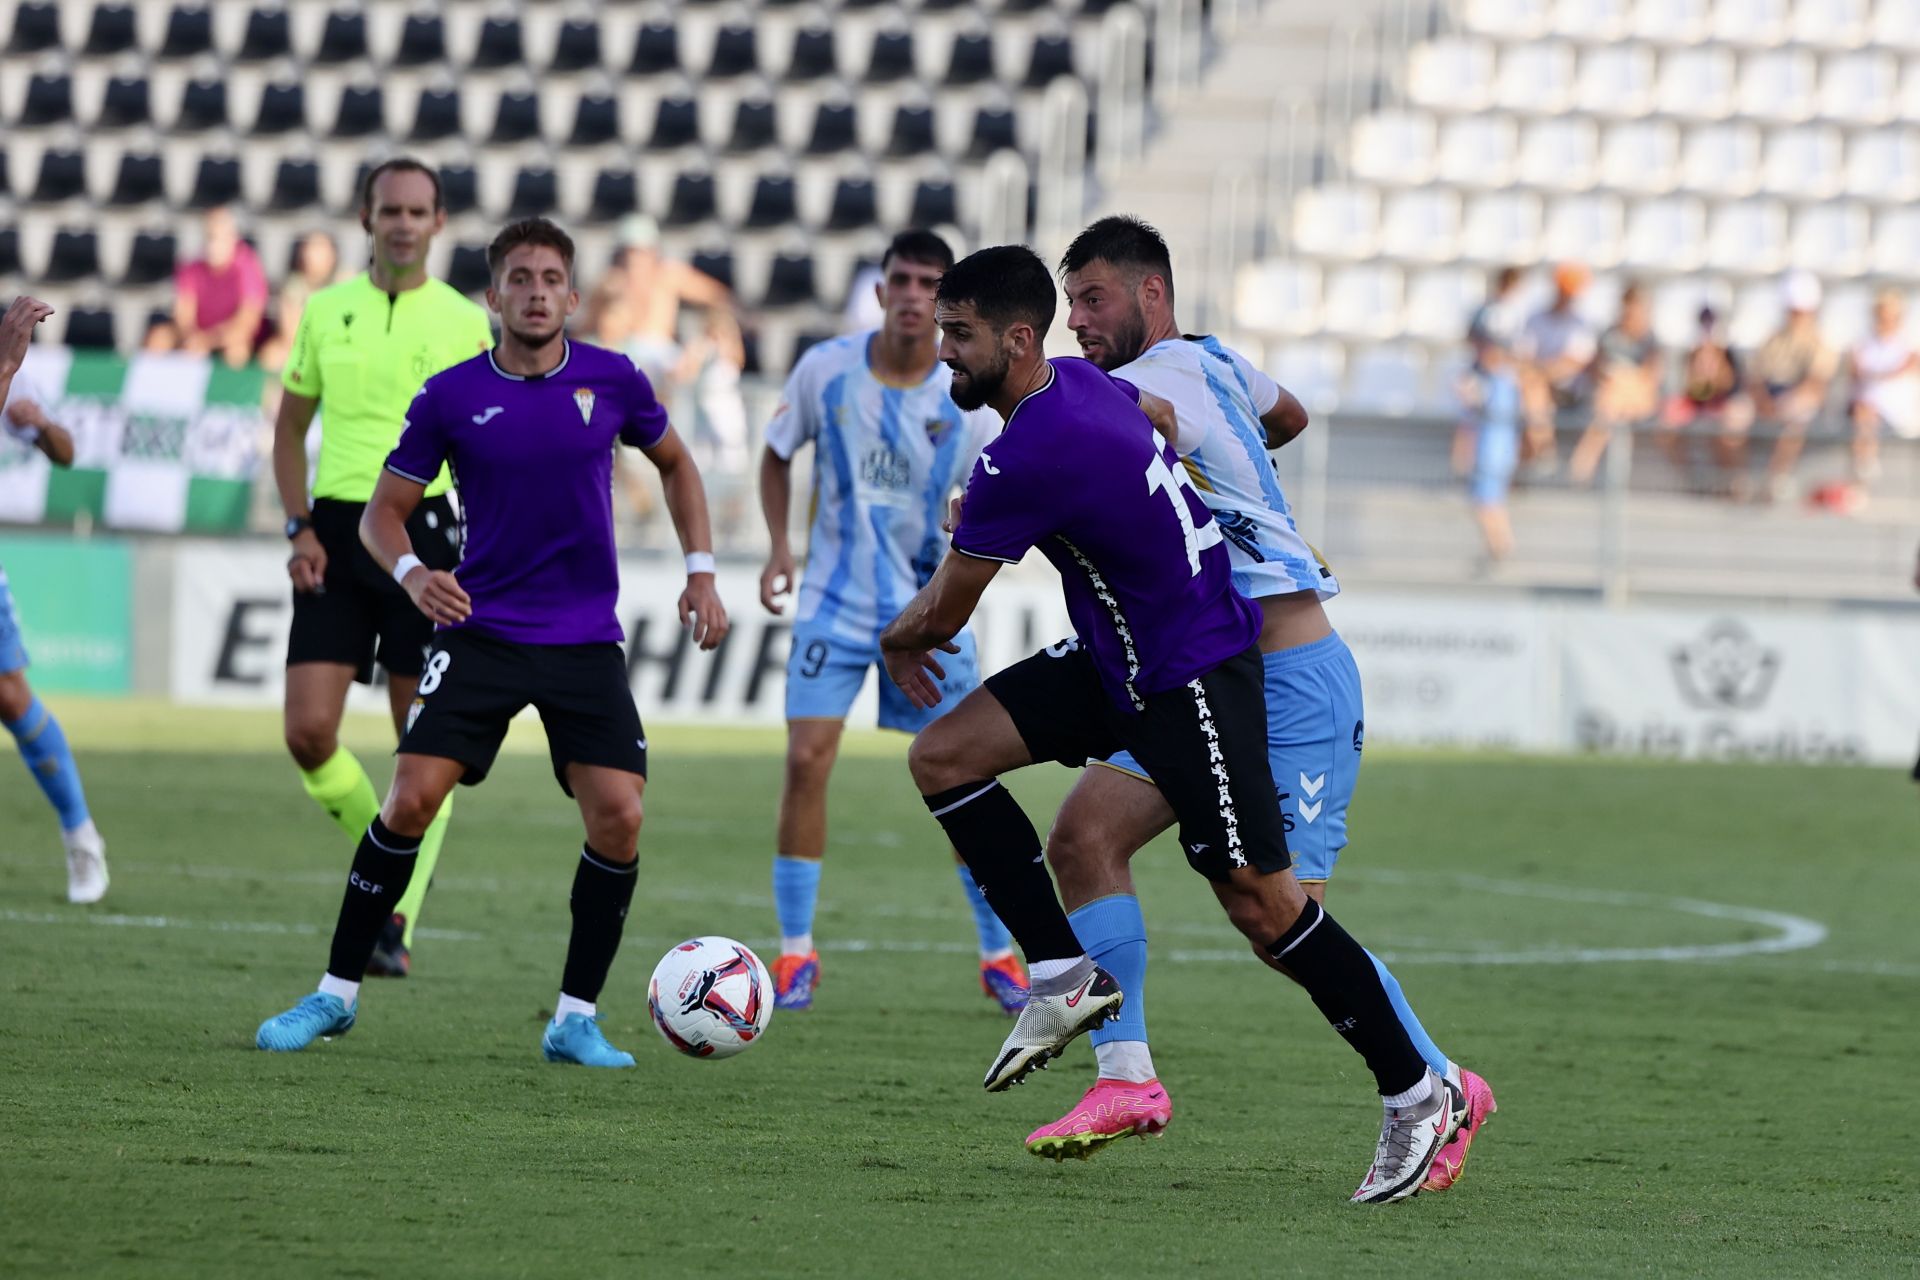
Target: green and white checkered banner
[[170, 442]]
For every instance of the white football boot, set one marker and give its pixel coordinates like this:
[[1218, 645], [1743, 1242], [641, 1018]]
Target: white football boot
[[86, 864]]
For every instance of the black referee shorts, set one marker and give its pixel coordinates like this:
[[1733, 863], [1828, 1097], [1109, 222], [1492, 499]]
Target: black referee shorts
[[363, 616], [1204, 743], [474, 685]]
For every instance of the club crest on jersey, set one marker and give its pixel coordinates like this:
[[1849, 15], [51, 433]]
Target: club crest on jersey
[[936, 428], [584, 398]]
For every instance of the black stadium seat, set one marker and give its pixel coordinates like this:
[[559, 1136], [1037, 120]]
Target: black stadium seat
[[692, 201], [717, 263], [152, 258], [934, 204], [790, 282], [189, 32], [217, 182], [127, 102], [596, 120], [752, 126], [459, 189], [853, 205], [912, 132], [49, 100], [344, 39], [676, 123], [971, 61], [203, 105], [112, 31], [75, 256], [812, 55], [139, 181], [423, 41], [90, 328], [535, 192], [362, 112], [437, 116], [10, 264], [735, 53], [468, 272], [656, 50], [63, 176], [499, 45], [616, 193], [892, 58], [577, 47], [296, 185], [36, 29], [269, 36], [516, 119], [832, 129], [773, 202], [283, 108], [992, 131], [1052, 58], [6, 183]]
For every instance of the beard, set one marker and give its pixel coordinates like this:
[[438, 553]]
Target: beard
[[533, 337], [982, 384], [1128, 341]]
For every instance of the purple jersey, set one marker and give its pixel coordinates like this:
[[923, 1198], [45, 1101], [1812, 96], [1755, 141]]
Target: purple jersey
[[533, 461], [1079, 472]]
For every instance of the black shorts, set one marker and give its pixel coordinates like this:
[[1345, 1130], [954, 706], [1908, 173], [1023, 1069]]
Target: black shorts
[[363, 615], [1205, 744], [474, 685]]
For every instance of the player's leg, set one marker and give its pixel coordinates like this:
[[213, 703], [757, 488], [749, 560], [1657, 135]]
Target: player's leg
[[1205, 744], [44, 750], [599, 755], [1109, 815], [1001, 976], [1047, 707]]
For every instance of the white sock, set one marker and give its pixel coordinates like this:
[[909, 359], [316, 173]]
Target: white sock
[[566, 1004], [1125, 1060], [798, 945], [332, 986], [988, 957], [86, 835], [1412, 1097], [1041, 970]]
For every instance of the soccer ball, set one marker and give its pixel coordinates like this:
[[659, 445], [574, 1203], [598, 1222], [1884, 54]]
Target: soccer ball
[[710, 997]]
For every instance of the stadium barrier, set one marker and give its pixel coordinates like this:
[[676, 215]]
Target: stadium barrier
[[75, 598]]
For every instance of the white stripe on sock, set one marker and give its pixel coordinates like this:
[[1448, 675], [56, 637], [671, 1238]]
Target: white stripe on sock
[[969, 799], [1309, 929]]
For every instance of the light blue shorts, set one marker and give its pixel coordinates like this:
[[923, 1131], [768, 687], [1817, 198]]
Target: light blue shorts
[[1314, 732], [825, 672], [13, 649], [1497, 452]]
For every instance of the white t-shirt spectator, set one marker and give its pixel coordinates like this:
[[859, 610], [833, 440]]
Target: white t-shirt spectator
[[1889, 382]]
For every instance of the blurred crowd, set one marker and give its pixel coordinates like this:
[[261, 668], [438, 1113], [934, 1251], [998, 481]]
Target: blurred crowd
[[1531, 377]]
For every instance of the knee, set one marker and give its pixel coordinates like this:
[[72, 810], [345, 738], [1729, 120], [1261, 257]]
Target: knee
[[1082, 861], [615, 829], [809, 762], [410, 808], [938, 760], [15, 697], [311, 744]]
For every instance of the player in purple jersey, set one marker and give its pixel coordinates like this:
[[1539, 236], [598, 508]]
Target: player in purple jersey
[[529, 430], [1165, 665]]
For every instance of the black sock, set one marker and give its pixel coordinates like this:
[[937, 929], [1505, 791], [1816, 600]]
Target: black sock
[[1002, 850], [1340, 977], [602, 892], [382, 866]]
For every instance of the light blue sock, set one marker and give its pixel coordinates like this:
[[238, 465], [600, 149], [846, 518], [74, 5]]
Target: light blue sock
[[44, 747], [1115, 935], [1415, 1032], [796, 888], [994, 937]]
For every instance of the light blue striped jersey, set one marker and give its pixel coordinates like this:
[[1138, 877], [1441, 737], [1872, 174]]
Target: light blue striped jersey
[[886, 459], [1218, 397]]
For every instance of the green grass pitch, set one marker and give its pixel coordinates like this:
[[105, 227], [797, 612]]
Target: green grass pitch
[[1681, 1094]]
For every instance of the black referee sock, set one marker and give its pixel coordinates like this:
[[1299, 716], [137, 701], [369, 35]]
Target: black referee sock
[[602, 892], [382, 867], [1339, 975], [1002, 850]]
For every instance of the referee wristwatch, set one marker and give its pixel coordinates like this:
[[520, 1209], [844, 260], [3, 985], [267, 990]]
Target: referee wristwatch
[[296, 525]]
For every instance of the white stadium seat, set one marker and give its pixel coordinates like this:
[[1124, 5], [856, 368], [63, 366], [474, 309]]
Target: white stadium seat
[[1859, 88], [1597, 21], [1896, 25], [1721, 159], [1501, 227], [1509, 19], [1641, 156], [1336, 221], [1387, 381], [1754, 314], [1807, 163], [1908, 107], [1696, 84], [1440, 300], [1587, 228], [1667, 233], [1676, 309], [1560, 154], [1394, 148], [1363, 301], [1312, 371], [1422, 225], [1750, 23], [1452, 73], [1831, 239], [1748, 236], [1477, 151], [1615, 80], [1834, 24], [1672, 22], [1896, 243], [1884, 164], [1534, 78], [1278, 297], [1779, 85]]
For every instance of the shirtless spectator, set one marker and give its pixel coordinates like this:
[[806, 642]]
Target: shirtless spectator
[[1556, 366], [653, 288], [316, 264], [1885, 374], [220, 298], [1788, 381], [1626, 382], [1709, 394]]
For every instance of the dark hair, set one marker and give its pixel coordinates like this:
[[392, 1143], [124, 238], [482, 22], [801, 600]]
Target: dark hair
[[1120, 240], [919, 245], [1632, 291], [399, 164], [1506, 277], [1007, 284], [539, 231]]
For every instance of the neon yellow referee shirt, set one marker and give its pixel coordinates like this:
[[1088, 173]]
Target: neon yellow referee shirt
[[363, 353]]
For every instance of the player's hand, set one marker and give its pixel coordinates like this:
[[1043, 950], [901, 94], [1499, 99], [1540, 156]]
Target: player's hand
[[437, 594], [952, 521], [776, 579], [27, 414], [16, 331], [918, 672], [307, 566], [700, 608]]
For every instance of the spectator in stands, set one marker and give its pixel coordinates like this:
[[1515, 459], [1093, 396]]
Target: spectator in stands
[[1496, 322], [710, 366], [316, 264], [862, 312], [220, 298], [655, 287], [1885, 372], [1709, 393], [1626, 381], [1491, 394], [1788, 381], [1556, 366]]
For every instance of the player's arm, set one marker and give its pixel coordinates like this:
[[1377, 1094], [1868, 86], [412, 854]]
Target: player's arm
[[16, 331], [776, 504], [1285, 420], [47, 436], [307, 564], [1160, 413], [930, 622], [686, 497], [383, 530]]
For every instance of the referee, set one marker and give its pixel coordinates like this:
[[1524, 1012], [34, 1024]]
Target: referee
[[364, 347]]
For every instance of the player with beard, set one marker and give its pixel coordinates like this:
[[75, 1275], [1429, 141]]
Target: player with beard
[[529, 619], [1164, 666]]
